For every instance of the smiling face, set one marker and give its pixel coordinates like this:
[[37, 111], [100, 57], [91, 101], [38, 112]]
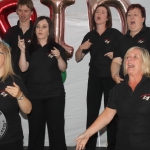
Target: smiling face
[[133, 62], [135, 20], [42, 30], [101, 16], [24, 13]]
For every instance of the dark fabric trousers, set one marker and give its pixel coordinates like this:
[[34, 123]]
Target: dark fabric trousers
[[132, 142], [50, 111], [12, 146], [96, 87]]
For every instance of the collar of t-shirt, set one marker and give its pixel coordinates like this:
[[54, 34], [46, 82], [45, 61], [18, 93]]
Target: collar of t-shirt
[[19, 29], [143, 29], [126, 78]]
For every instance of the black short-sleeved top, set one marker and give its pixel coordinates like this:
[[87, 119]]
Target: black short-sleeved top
[[133, 107], [142, 39], [10, 109], [11, 37], [101, 44], [44, 77]]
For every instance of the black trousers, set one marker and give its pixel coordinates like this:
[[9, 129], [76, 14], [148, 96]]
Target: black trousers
[[96, 87], [12, 146], [50, 111]]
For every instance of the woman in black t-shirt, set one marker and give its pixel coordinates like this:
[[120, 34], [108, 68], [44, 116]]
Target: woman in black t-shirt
[[13, 95], [130, 99], [99, 43], [45, 60]]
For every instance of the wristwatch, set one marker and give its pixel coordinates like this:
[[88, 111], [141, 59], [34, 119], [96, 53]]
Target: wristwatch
[[21, 97]]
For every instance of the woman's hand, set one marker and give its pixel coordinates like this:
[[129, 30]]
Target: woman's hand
[[86, 45], [21, 44], [117, 78], [61, 63], [109, 54], [81, 141], [14, 91], [55, 52], [24, 104]]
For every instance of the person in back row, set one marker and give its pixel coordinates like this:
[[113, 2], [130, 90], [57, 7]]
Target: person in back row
[[137, 35], [99, 43], [23, 29]]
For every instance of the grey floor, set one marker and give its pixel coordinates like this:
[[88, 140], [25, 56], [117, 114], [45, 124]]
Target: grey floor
[[72, 148]]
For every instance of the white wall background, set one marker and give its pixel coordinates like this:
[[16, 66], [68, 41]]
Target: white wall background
[[76, 26]]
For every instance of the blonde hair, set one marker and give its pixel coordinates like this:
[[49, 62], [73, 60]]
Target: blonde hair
[[145, 63], [7, 61], [28, 3]]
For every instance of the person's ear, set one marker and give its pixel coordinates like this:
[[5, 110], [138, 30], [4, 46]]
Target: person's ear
[[143, 19]]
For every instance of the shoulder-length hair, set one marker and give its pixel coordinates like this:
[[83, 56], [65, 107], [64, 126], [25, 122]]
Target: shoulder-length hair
[[7, 61], [109, 16], [50, 39], [140, 7], [145, 63]]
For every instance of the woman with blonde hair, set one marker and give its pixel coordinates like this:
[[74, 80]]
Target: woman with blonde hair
[[130, 99], [13, 95]]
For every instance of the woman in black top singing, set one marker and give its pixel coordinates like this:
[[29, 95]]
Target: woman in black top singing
[[99, 43], [13, 95], [45, 60], [130, 99]]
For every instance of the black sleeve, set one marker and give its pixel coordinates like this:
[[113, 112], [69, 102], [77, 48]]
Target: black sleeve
[[86, 37], [62, 52], [117, 47], [119, 34], [7, 36], [112, 98]]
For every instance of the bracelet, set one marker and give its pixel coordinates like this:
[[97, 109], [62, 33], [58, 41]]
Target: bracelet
[[21, 97], [22, 51]]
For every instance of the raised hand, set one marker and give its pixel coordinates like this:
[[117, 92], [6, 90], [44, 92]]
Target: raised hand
[[86, 45], [109, 54], [14, 91], [55, 52], [21, 44], [117, 78]]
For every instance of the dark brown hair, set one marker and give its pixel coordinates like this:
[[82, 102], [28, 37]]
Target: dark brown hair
[[109, 16], [51, 38], [140, 7]]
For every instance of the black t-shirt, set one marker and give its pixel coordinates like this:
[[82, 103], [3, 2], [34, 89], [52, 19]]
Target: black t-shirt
[[11, 37], [101, 44], [133, 107], [11, 130], [142, 39], [44, 77]]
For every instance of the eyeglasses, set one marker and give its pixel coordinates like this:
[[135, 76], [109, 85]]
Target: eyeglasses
[[1, 53], [5, 43]]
